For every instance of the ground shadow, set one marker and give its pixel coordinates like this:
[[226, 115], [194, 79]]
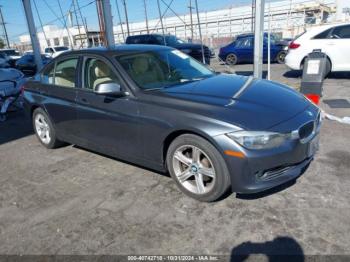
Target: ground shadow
[[15, 127], [268, 192], [280, 249]]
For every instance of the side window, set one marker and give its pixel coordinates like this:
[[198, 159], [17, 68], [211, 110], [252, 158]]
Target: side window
[[97, 72], [323, 35], [341, 32], [65, 72], [48, 74]]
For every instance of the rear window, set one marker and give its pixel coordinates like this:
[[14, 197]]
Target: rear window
[[323, 35]]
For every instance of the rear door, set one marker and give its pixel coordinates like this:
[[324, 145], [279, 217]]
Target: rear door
[[338, 48], [106, 123], [60, 89]]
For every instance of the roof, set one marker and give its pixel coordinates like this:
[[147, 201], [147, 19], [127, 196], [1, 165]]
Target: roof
[[121, 48]]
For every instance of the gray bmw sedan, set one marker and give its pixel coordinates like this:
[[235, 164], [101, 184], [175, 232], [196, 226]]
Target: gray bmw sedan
[[159, 108]]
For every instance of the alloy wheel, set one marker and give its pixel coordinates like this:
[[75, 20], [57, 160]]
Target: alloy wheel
[[194, 169], [231, 59], [42, 128]]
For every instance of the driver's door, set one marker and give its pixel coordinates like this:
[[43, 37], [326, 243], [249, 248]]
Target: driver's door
[[107, 124]]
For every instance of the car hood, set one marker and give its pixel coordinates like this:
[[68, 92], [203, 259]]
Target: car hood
[[260, 106]]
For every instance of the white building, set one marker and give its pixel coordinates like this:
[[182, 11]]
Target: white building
[[287, 17], [52, 35]]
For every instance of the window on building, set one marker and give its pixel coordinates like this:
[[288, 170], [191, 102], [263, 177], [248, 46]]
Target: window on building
[[48, 42], [56, 41], [65, 41]]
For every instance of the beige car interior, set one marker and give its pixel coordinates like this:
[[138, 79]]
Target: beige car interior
[[143, 71], [66, 77], [101, 74]]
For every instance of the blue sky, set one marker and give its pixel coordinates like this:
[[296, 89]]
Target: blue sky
[[16, 25]]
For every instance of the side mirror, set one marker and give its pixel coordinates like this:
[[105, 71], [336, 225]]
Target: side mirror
[[109, 89]]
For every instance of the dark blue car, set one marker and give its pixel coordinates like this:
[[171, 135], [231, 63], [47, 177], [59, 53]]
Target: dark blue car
[[158, 107], [241, 50]]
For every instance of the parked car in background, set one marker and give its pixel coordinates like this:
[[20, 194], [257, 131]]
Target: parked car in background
[[4, 61], [27, 65], [333, 40], [11, 81], [241, 50], [55, 50], [191, 49], [12, 55], [158, 107]]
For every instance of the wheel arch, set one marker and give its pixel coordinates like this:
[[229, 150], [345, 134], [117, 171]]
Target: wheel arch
[[328, 58], [176, 133]]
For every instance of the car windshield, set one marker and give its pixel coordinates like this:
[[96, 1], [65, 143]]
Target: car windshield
[[61, 48], [162, 68]]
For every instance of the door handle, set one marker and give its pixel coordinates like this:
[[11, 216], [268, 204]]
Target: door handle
[[84, 101]]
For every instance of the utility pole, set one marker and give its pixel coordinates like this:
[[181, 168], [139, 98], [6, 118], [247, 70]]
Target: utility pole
[[77, 22], [126, 17], [108, 22], [2, 22], [190, 7], [101, 21], [252, 20], [65, 25], [84, 24], [258, 37], [161, 21], [120, 19], [32, 33], [200, 32], [146, 16]]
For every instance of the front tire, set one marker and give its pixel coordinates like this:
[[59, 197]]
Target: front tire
[[231, 59], [198, 168], [44, 129]]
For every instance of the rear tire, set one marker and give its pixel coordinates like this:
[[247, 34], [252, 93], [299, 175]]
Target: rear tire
[[198, 168], [281, 56], [44, 129]]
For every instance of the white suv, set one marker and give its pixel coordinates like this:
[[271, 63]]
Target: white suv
[[55, 50], [333, 40]]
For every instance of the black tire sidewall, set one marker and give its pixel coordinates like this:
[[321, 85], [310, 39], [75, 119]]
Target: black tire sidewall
[[53, 142], [278, 57], [222, 181]]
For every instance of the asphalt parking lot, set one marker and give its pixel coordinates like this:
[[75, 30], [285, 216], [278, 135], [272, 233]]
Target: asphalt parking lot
[[73, 201]]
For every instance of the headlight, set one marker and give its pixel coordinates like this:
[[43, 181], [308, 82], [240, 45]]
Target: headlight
[[258, 139]]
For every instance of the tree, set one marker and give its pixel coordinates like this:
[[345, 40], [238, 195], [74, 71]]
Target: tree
[[2, 43]]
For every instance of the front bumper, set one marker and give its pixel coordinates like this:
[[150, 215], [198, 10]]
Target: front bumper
[[264, 169], [260, 170]]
